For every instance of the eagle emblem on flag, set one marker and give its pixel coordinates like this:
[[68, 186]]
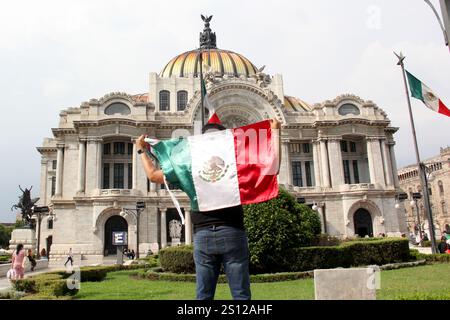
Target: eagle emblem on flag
[[214, 169]]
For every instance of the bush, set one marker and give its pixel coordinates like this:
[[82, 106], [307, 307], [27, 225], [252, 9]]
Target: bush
[[437, 257], [177, 259], [50, 284], [277, 226], [426, 243], [350, 254], [327, 240]]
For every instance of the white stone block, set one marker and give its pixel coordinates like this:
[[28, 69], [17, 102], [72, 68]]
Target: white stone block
[[345, 284]]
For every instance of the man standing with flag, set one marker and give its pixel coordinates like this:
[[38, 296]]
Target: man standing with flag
[[220, 173]]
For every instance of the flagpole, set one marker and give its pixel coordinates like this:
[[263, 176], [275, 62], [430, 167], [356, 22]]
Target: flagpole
[[420, 166], [201, 88]]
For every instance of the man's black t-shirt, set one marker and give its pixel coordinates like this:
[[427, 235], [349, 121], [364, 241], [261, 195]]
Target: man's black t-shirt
[[232, 216]]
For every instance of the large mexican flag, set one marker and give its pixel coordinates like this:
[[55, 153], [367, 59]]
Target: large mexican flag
[[224, 168], [420, 91]]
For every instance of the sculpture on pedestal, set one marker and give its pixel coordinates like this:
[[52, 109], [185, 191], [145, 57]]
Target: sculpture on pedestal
[[25, 205]]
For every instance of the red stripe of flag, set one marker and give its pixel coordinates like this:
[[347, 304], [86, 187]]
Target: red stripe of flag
[[254, 184], [443, 109]]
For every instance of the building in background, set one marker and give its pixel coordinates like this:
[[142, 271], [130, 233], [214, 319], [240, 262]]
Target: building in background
[[438, 173], [337, 155]]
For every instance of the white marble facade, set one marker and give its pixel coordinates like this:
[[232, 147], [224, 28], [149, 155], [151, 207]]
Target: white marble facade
[[338, 154]]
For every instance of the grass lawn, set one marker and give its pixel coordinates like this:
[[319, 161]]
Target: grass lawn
[[423, 282]]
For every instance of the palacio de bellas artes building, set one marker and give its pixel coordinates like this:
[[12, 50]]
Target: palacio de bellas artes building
[[337, 155]]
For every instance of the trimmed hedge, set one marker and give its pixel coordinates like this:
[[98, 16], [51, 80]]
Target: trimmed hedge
[[257, 278], [99, 273], [177, 259], [349, 254], [437, 257], [45, 284]]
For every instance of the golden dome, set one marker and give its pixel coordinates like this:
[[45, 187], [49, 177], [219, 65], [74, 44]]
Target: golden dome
[[222, 62]]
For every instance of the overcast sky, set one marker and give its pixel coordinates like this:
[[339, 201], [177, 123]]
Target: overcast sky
[[57, 54]]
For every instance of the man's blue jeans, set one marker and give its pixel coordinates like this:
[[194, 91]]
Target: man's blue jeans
[[214, 246]]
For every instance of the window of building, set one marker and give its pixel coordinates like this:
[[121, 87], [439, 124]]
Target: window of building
[[182, 99], [308, 173], [164, 100], [49, 223], [53, 185], [54, 163], [348, 108], [106, 176], [297, 173], [119, 147], [352, 146], [306, 148], [441, 188], [130, 148], [130, 176], [294, 147], [117, 108], [106, 148], [344, 147], [356, 171], [347, 172], [118, 175]]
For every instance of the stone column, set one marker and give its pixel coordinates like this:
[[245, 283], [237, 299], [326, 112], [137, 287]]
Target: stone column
[[99, 163], [316, 163], [134, 165], [386, 163], [59, 169], [336, 165], [188, 224], [163, 228], [375, 161], [81, 166], [393, 164], [324, 164], [91, 163], [285, 168], [43, 186], [322, 218]]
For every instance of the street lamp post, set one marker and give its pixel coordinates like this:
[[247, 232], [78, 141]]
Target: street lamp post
[[414, 204], [140, 205], [446, 18]]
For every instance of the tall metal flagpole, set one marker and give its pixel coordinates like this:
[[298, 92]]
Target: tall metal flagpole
[[202, 95], [420, 165]]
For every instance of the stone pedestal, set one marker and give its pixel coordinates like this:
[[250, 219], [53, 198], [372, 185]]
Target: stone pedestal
[[175, 242], [27, 237], [346, 284]]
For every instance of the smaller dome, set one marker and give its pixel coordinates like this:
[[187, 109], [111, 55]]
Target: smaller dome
[[295, 104]]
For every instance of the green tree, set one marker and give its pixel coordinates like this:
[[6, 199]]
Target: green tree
[[5, 235], [275, 227]]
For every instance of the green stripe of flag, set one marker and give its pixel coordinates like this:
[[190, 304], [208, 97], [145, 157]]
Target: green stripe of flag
[[415, 85], [174, 156]]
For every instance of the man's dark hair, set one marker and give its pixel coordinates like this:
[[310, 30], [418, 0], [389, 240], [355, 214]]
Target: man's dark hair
[[216, 126]]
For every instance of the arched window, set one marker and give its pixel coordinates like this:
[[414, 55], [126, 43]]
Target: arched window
[[117, 108], [348, 108], [182, 98], [164, 100], [441, 188]]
